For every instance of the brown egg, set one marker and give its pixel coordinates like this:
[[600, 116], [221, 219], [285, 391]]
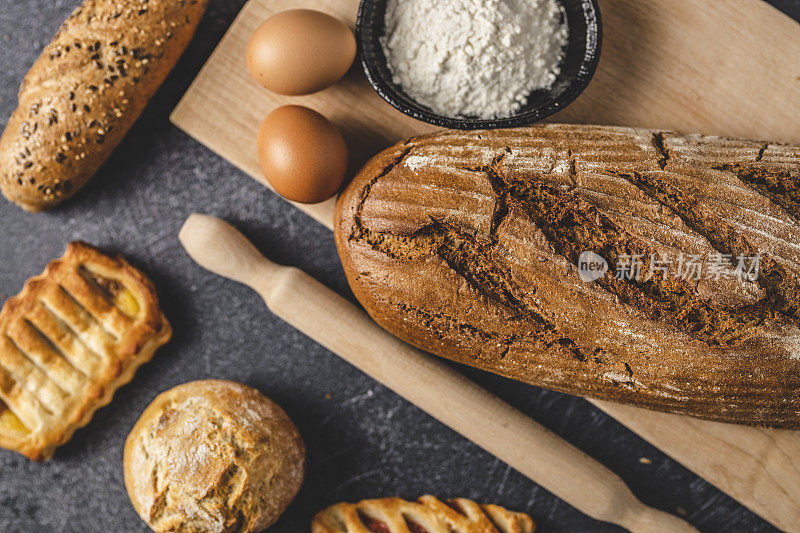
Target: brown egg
[[300, 52], [302, 154]]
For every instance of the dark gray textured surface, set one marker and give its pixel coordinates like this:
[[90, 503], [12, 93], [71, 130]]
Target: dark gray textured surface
[[363, 441]]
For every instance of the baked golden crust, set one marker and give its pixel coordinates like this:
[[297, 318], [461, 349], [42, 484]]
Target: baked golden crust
[[68, 341], [213, 455], [86, 90], [467, 245], [427, 515]]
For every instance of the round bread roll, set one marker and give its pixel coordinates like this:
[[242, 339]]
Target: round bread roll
[[213, 456]]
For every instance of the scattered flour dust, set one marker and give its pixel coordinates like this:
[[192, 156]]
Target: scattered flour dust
[[415, 162], [478, 58]]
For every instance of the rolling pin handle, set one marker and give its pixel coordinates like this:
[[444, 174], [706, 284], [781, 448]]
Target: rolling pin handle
[[219, 247]]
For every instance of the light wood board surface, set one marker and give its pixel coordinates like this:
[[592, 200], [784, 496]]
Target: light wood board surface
[[729, 68]]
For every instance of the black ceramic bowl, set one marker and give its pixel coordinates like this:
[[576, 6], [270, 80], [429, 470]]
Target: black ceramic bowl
[[577, 68]]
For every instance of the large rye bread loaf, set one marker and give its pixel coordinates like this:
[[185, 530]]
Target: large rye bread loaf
[[468, 245]]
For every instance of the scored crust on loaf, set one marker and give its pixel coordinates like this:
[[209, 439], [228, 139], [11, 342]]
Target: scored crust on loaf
[[68, 341], [86, 90], [427, 515], [466, 244]]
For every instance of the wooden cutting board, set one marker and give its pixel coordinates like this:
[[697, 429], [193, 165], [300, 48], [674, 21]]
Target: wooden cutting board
[[729, 68]]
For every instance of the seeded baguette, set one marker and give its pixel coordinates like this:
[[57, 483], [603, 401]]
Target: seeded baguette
[[466, 244], [86, 90]]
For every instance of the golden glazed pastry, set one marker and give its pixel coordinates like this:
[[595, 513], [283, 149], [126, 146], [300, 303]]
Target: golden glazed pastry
[[68, 341], [213, 456], [427, 515]]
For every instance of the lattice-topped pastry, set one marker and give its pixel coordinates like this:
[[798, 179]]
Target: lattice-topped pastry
[[68, 341], [427, 515]]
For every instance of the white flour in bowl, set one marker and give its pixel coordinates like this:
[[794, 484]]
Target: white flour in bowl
[[479, 58]]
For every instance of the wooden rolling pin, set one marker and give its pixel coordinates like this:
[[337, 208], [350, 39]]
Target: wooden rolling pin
[[428, 383]]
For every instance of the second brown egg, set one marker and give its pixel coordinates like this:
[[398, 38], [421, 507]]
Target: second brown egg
[[303, 156]]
